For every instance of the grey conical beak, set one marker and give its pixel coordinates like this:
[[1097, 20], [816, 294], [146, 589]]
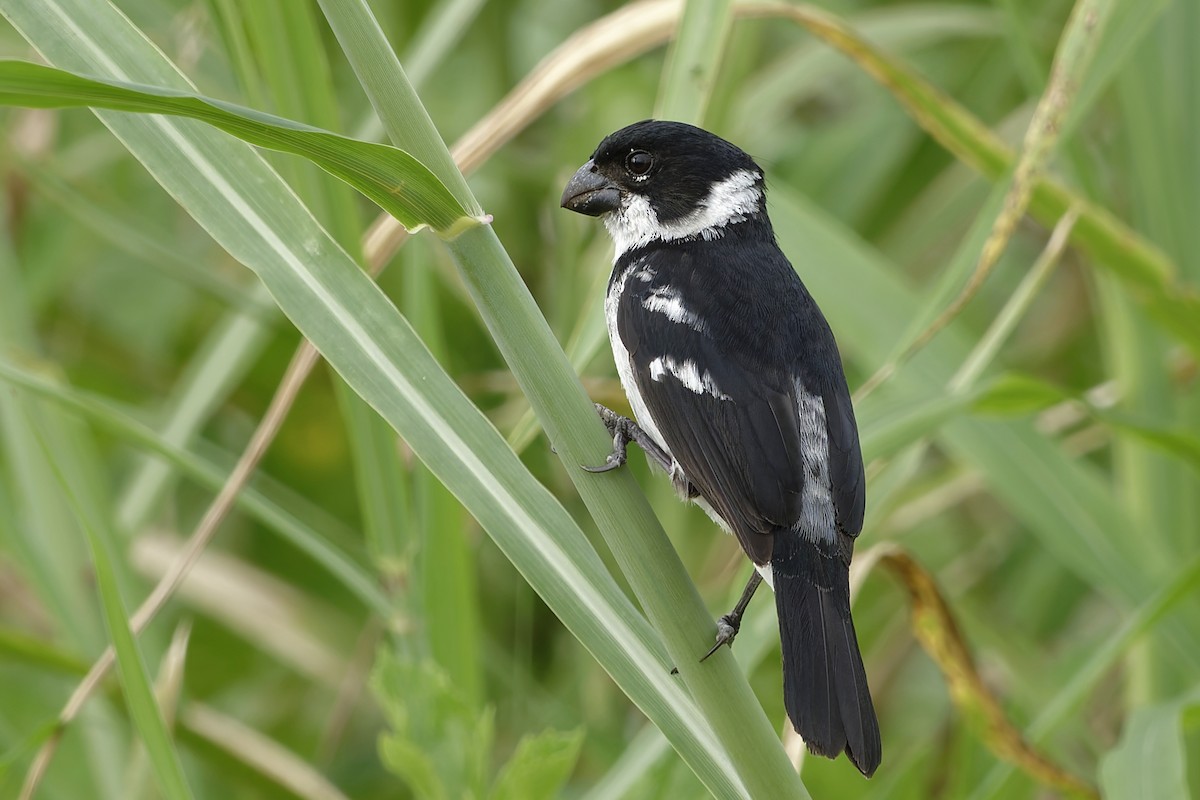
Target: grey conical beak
[[589, 192]]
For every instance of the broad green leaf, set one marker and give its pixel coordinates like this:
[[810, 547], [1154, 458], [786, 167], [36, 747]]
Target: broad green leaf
[[392, 95], [437, 740], [411, 762], [1149, 761], [392, 178], [539, 767]]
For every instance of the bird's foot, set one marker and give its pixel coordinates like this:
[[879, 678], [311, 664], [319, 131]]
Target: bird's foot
[[727, 630], [624, 430], [620, 429]]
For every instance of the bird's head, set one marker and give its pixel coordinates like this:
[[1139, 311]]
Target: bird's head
[[666, 181]]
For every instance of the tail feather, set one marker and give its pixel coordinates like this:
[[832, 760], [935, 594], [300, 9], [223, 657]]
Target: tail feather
[[824, 682]]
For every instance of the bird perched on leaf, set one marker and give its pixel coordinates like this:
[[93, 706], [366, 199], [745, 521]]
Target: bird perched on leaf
[[737, 385]]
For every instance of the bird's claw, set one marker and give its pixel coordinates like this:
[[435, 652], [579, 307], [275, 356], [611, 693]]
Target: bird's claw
[[614, 461], [618, 427], [727, 630]]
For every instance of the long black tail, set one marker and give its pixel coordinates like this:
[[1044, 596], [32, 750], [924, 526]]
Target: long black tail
[[824, 682]]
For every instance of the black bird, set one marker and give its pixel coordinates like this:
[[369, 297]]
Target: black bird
[[737, 385]]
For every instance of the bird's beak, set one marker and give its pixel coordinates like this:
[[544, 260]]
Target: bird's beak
[[589, 192]]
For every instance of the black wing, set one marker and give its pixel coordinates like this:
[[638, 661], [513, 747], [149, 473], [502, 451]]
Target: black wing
[[738, 442], [848, 482], [727, 405]]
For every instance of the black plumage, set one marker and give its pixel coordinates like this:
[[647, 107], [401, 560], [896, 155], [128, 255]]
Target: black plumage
[[731, 367]]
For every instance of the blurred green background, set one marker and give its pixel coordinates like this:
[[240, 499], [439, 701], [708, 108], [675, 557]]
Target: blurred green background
[[1058, 505]]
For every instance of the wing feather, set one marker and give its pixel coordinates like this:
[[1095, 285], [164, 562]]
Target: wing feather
[[847, 478], [738, 442]]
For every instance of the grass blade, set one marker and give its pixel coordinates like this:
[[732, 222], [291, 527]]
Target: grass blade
[[395, 180], [135, 678], [693, 59]]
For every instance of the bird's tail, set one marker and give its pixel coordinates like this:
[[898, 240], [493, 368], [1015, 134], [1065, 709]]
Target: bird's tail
[[824, 682]]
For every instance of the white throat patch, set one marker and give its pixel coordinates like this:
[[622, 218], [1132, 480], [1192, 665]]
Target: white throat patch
[[732, 200]]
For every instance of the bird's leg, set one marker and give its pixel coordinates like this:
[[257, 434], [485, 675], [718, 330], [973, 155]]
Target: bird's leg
[[729, 624], [624, 430]]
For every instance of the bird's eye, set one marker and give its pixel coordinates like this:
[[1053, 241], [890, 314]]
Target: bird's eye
[[639, 162]]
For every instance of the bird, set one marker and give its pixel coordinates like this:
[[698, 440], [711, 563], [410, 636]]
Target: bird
[[738, 392]]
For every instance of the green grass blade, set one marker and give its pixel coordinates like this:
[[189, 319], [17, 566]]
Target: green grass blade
[[693, 59], [439, 32], [293, 66], [393, 179], [274, 515], [220, 363], [135, 678], [19, 647], [447, 577], [395, 101], [297, 76]]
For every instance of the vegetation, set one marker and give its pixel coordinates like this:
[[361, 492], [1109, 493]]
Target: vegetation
[[385, 575]]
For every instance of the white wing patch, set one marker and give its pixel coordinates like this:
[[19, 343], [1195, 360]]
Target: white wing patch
[[816, 516], [667, 301], [733, 200], [687, 373], [645, 273]]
